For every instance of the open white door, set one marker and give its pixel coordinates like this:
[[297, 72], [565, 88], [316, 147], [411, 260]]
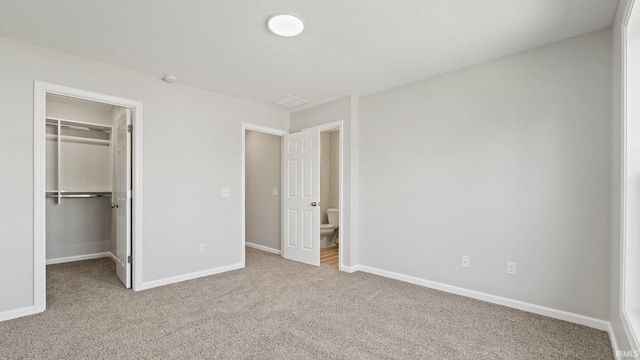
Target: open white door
[[301, 211], [123, 198]]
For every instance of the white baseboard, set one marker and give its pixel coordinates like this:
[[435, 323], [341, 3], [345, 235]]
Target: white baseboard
[[350, 269], [79, 258], [614, 342], [191, 276], [13, 314], [516, 304], [263, 248], [625, 320], [113, 257]]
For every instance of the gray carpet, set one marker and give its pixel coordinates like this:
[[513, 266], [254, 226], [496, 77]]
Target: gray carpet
[[278, 309]]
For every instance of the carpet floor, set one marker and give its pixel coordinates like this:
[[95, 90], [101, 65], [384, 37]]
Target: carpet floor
[[279, 309]]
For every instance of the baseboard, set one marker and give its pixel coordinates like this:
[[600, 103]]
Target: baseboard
[[350, 269], [79, 258], [625, 320], [13, 314], [614, 342], [113, 257], [190, 276], [516, 304], [263, 248]]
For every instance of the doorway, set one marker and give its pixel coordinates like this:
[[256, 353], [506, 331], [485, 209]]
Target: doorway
[[330, 197], [260, 194], [262, 191], [287, 192], [303, 206], [84, 144]]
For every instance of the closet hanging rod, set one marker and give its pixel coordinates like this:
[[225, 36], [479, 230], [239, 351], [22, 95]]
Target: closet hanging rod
[[78, 127], [79, 195], [79, 139]]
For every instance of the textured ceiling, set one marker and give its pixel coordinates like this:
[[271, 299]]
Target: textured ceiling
[[348, 46]]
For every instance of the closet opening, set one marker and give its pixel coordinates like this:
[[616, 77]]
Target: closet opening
[[88, 162], [86, 182]]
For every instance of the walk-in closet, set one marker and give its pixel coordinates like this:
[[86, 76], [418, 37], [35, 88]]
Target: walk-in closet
[[81, 179]]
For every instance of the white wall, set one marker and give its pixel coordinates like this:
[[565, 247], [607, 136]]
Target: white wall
[[263, 174], [343, 109], [507, 160], [78, 227], [191, 149], [80, 111]]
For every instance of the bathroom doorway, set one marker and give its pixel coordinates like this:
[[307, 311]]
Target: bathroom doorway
[[306, 212], [330, 197], [300, 227]]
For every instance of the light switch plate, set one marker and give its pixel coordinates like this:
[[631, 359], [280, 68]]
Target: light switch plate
[[275, 192]]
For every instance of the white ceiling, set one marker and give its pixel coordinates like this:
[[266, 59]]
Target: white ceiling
[[348, 46]]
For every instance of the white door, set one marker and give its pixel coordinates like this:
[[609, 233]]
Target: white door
[[301, 214], [123, 198]]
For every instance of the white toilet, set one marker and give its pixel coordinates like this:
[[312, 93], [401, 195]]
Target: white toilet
[[329, 232]]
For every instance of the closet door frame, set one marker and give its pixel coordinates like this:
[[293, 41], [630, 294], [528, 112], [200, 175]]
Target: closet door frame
[[41, 89]]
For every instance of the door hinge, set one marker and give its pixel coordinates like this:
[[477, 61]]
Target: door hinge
[[129, 260], [130, 128], [129, 194]]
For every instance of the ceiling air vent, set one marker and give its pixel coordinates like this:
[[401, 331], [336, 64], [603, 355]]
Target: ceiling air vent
[[290, 102]]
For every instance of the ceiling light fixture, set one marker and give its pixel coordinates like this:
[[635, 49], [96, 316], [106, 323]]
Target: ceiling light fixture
[[285, 25]]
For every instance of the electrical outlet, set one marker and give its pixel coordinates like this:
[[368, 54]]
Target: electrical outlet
[[511, 268], [202, 248], [465, 261], [225, 192], [275, 192]]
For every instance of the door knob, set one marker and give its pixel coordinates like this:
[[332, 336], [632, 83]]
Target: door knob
[[114, 205], [315, 204]]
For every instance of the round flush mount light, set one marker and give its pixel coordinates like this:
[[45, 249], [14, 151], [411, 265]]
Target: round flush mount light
[[285, 25]]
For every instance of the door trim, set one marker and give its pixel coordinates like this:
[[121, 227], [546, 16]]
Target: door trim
[[264, 130], [41, 89]]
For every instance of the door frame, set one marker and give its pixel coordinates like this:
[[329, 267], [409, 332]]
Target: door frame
[[41, 89], [264, 130]]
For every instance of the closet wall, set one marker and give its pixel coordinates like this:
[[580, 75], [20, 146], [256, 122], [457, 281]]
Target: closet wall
[[78, 226], [262, 174]]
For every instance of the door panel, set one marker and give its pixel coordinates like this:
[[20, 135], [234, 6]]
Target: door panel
[[122, 189], [302, 198]]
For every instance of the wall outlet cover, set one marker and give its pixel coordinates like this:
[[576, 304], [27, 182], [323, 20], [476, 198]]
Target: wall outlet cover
[[225, 192], [511, 268], [465, 261]]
